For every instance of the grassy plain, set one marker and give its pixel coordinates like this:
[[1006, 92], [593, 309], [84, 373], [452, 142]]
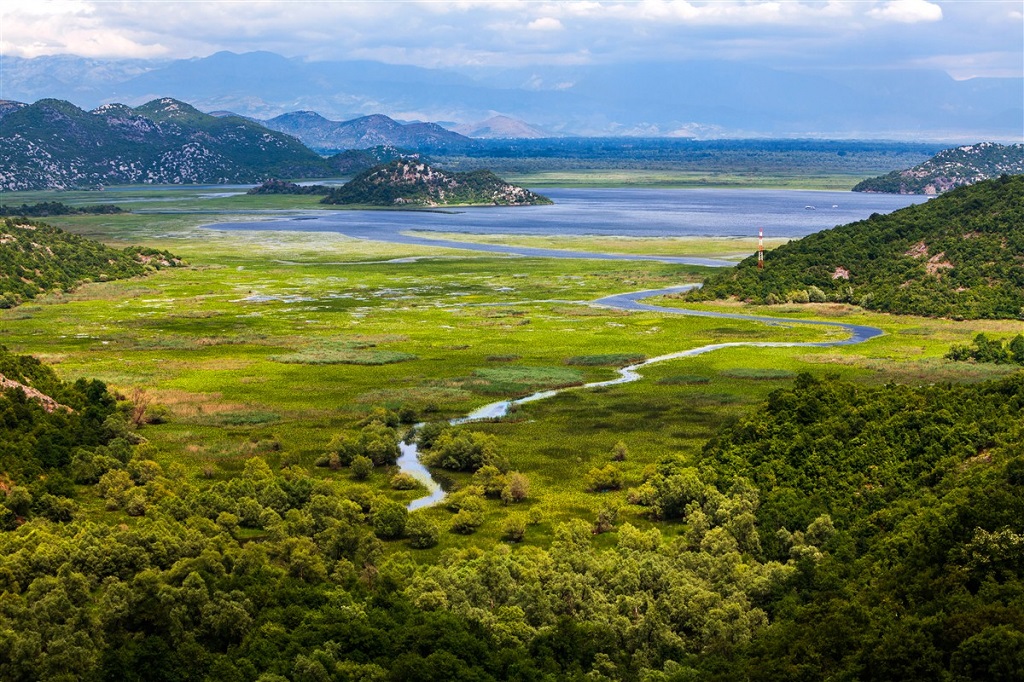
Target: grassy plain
[[728, 248], [268, 344]]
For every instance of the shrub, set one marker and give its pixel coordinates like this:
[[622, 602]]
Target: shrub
[[362, 467], [388, 519], [403, 481], [466, 522], [463, 450], [490, 478], [514, 528], [517, 488], [604, 479], [423, 532]]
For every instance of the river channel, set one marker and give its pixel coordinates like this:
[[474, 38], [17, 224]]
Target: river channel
[[410, 463]]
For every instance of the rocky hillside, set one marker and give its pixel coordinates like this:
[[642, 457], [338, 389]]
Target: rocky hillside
[[414, 183], [36, 258], [354, 161], [951, 168], [53, 144], [958, 255], [365, 132]]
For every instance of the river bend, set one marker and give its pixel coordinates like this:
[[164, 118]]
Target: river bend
[[409, 461]]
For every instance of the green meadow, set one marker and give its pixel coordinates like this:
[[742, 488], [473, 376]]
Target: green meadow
[[273, 344]]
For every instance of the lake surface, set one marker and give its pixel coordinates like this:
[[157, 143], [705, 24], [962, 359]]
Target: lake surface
[[632, 212]]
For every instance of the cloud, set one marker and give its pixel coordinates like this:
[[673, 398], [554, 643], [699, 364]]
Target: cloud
[[503, 33], [907, 11], [545, 24]]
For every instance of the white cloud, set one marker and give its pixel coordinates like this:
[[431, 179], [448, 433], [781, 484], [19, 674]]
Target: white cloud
[[907, 11], [545, 24], [525, 32]]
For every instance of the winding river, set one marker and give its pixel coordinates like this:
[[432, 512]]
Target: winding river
[[410, 463]]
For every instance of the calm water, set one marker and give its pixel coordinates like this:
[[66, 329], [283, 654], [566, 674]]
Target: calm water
[[619, 212]]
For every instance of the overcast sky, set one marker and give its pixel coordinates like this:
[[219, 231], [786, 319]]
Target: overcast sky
[[964, 38]]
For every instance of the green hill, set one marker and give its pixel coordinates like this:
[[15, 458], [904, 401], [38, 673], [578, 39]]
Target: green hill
[[951, 168], [409, 182], [35, 258], [53, 144], [958, 255]]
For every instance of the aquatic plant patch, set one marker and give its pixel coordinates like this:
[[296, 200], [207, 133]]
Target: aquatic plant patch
[[343, 353], [606, 360]]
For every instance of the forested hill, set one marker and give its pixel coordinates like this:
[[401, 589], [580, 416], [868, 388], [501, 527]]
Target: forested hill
[[406, 182], [951, 168], [960, 255], [36, 257], [53, 144]]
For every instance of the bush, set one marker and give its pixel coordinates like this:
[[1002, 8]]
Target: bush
[[517, 488], [514, 528], [423, 533], [619, 452], [403, 481], [362, 467], [463, 450], [604, 479], [465, 522], [388, 519], [490, 478]]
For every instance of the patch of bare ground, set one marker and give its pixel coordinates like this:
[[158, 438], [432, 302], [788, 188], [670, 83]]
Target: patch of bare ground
[[48, 403], [917, 250], [937, 263]]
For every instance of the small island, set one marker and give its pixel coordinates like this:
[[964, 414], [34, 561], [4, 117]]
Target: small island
[[412, 183]]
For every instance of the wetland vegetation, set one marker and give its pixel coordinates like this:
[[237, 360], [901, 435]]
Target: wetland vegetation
[[232, 509]]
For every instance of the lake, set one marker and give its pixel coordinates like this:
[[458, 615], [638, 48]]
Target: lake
[[633, 212]]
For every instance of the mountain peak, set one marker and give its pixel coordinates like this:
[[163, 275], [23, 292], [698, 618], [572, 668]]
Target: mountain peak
[[169, 109]]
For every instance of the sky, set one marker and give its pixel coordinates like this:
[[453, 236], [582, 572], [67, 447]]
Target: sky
[[965, 38]]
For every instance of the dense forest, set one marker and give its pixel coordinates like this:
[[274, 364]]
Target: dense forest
[[49, 208], [36, 257], [836, 532], [405, 182], [958, 255], [984, 349], [275, 186]]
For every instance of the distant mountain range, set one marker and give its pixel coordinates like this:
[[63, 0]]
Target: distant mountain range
[[951, 168], [407, 182], [502, 128], [365, 132], [699, 98], [53, 144]]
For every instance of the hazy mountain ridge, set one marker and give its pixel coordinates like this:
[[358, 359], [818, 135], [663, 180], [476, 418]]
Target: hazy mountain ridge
[[413, 183], [951, 168], [53, 144], [365, 132], [501, 128], [958, 255], [728, 99]]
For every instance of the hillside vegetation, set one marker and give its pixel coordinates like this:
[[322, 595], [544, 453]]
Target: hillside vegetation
[[48, 427], [53, 144], [35, 258], [960, 254], [894, 558], [949, 169], [406, 182]]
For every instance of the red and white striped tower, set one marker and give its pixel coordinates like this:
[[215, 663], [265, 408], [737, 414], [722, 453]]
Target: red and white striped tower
[[760, 248]]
